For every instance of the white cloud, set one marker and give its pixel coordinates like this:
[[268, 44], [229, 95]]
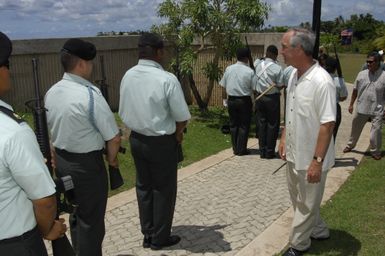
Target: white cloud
[[54, 18]]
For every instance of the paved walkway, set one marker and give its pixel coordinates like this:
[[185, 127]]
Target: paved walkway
[[226, 204]]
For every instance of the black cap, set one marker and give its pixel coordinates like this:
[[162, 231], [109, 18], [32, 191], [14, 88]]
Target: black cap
[[82, 49], [5, 49], [151, 39]]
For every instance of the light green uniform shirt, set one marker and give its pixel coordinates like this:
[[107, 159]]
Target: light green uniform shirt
[[23, 176], [273, 74], [151, 100], [69, 116], [238, 80]]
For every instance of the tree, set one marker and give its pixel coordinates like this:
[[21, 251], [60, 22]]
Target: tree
[[217, 25]]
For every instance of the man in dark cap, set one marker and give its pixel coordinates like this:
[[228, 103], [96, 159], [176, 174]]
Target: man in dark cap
[[27, 192], [238, 81], [80, 122], [152, 105]]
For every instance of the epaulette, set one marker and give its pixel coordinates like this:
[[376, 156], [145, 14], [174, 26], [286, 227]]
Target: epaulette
[[11, 114]]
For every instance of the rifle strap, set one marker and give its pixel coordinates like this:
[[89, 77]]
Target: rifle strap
[[11, 114], [91, 108], [263, 71]]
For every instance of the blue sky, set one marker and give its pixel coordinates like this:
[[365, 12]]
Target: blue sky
[[24, 19]]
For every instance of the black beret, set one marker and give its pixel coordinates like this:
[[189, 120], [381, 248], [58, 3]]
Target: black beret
[[5, 49], [82, 49], [151, 39]]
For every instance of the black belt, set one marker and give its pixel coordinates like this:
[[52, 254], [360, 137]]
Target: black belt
[[238, 97], [23, 237]]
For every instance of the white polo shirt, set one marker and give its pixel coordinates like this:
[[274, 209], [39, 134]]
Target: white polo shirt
[[311, 101]]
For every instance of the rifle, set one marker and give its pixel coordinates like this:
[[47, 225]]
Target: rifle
[[251, 63], [339, 70], [60, 246], [316, 25], [116, 179], [102, 82]]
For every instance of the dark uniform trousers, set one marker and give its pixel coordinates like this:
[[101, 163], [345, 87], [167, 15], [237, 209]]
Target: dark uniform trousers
[[29, 244], [89, 175], [338, 122], [268, 111], [240, 109], [155, 160]]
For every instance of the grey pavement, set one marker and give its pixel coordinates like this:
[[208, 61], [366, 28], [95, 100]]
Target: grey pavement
[[227, 205]]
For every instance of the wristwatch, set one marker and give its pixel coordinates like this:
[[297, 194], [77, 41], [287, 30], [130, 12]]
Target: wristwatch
[[318, 159]]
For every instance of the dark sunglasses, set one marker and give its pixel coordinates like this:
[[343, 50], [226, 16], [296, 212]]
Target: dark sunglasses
[[369, 61]]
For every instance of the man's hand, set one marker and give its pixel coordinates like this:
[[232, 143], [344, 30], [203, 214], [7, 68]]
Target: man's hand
[[179, 137], [225, 104], [57, 230], [314, 172], [282, 149], [350, 109]]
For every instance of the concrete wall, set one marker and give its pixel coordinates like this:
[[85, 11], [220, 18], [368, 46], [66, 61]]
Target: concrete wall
[[119, 53]]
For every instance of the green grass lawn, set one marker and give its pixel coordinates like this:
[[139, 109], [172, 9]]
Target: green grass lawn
[[356, 213], [351, 64]]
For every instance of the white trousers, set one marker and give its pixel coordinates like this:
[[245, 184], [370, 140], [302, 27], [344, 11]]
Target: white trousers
[[306, 199]]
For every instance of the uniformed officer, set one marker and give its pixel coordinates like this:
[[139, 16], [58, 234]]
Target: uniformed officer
[[268, 73], [27, 192], [238, 81], [80, 122], [152, 105]]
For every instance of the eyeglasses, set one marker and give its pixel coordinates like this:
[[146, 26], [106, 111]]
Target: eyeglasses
[[369, 61]]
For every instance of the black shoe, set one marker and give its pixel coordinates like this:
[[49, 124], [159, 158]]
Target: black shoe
[[243, 153], [172, 240], [293, 252], [146, 241]]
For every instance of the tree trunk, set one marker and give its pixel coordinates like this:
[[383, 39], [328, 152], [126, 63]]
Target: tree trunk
[[202, 105], [209, 90]]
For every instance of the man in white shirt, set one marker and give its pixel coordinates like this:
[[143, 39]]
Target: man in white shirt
[[306, 140]]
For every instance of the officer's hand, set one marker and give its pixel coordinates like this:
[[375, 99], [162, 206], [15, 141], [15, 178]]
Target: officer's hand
[[282, 149], [58, 230], [225, 103], [314, 172], [179, 137], [350, 109]]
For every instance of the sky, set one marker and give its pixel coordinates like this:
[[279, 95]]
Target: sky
[[26, 19]]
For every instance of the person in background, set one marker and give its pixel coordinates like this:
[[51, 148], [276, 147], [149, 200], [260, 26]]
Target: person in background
[[268, 73], [306, 141], [238, 81], [27, 191], [153, 106], [369, 90], [341, 90], [81, 124]]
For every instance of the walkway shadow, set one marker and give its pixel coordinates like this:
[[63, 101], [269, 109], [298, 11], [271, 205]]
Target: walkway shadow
[[346, 162], [340, 243], [201, 239]]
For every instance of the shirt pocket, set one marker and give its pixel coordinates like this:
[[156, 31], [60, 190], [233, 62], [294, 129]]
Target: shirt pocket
[[304, 106]]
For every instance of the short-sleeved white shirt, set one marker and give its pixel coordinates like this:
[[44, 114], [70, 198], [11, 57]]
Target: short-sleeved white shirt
[[23, 176], [311, 101], [69, 118], [341, 90], [238, 80], [151, 100], [370, 92]]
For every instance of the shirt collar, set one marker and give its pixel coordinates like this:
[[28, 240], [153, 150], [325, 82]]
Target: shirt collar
[[77, 79], [241, 63], [151, 63], [269, 60], [3, 104], [310, 72]]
